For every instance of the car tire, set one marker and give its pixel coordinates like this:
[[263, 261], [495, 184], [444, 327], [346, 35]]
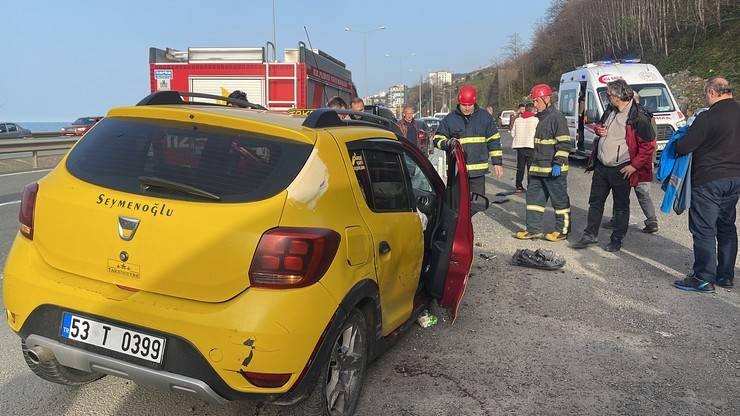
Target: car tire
[[337, 390], [51, 370]]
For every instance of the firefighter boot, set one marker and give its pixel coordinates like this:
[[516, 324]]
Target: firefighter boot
[[526, 235]]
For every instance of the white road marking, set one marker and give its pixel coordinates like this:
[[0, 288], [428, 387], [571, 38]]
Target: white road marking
[[24, 173], [9, 203]]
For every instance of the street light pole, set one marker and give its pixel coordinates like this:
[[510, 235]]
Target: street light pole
[[274, 41], [364, 34]]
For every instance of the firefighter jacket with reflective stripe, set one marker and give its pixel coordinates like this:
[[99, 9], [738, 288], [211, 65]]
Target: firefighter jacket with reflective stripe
[[478, 136], [551, 143]]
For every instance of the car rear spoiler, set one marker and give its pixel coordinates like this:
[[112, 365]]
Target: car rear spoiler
[[175, 97], [329, 117]]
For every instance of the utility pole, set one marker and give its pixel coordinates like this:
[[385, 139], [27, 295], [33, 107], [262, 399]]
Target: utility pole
[[421, 81], [431, 87]]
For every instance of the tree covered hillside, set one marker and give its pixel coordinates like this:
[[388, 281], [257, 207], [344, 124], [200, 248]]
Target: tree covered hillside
[[701, 36]]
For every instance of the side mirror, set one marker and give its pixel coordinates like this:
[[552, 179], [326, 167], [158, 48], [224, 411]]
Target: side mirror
[[478, 203]]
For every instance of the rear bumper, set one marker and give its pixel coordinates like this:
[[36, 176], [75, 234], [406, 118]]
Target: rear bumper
[[88, 361], [205, 341]]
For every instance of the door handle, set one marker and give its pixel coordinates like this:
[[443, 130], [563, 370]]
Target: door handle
[[384, 247]]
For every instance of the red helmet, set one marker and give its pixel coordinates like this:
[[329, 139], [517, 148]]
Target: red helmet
[[540, 90], [467, 95]]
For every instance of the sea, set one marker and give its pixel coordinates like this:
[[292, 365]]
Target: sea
[[44, 126]]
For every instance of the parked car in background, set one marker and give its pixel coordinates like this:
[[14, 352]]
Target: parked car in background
[[425, 135], [13, 131], [382, 111], [80, 126], [504, 119], [432, 122]]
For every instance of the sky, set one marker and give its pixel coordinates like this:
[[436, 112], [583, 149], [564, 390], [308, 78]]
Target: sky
[[65, 59]]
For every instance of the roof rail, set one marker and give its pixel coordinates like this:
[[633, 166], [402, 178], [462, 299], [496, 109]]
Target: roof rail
[[175, 97], [329, 117]]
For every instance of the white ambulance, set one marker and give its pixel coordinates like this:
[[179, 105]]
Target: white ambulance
[[588, 84]]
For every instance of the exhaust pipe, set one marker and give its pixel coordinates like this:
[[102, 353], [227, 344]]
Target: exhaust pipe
[[39, 354]]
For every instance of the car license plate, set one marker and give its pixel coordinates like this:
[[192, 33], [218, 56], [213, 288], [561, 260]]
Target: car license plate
[[111, 337], [661, 146]]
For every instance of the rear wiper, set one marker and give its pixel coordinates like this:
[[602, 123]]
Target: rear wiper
[[153, 181]]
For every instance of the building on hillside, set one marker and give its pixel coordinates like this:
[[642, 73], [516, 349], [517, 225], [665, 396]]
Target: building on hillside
[[396, 97], [440, 77], [377, 99]]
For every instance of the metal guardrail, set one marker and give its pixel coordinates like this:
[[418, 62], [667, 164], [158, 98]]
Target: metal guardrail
[[47, 134], [36, 145]]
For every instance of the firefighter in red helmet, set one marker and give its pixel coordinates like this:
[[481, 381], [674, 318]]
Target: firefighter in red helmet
[[548, 172], [475, 129]]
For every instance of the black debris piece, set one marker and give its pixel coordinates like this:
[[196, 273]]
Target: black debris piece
[[538, 259]]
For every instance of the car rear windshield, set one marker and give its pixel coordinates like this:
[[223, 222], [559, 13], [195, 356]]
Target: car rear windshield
[[186, 161]]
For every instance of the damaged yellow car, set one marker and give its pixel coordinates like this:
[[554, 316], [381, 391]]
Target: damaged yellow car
[[234, 253]]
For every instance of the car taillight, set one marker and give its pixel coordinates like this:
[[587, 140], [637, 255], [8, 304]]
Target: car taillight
[[421, 135], [292, 257], [28, 206]]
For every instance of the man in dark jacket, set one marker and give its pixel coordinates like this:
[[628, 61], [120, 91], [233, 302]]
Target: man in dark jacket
[[407, 125], [714, 141], [476, 131], [548, 169], [621, 158]]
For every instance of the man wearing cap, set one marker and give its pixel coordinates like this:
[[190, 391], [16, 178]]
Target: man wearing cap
[[476, 131], [547, 173]]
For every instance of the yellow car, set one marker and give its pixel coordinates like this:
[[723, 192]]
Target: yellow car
[[234, 253]]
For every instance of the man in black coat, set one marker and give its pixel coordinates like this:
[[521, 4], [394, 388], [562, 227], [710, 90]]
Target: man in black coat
[[714, 141]]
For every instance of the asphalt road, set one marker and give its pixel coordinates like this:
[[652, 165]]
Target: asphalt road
[[607, 335]]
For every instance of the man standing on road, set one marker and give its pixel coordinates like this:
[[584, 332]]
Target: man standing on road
[[642, 190], [523, 132], [407, 125], [239, 95], [519, 111], [548, 172], [714, 140], [622, 157], [476, 131], [357, 104]]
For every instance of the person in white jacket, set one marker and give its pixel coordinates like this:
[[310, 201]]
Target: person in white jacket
[[523, 133]]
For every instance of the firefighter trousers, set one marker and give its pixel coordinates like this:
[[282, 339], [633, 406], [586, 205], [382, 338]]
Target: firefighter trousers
[[539, 190]]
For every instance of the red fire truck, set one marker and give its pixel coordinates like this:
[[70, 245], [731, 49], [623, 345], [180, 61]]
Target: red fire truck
[[305, 79]]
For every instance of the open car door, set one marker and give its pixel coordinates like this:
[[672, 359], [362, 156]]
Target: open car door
[[452, 239]]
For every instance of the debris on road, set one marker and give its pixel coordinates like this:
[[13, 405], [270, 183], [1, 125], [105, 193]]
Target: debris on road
[[538, 259], [426, 319], [485, 256]]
